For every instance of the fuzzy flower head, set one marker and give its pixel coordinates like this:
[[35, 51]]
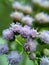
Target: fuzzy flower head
[[44, 36], [33, 33], [16, 15], [42, 17], [27, 9], [7, 34], [36, 1], [3, 48], [14, 58], [16, 27], [44, 4], [30, 45], [44, 61], [25, 31], [27, 20], [17, 6]]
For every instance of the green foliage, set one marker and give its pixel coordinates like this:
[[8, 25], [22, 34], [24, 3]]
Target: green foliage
[[3, 60]]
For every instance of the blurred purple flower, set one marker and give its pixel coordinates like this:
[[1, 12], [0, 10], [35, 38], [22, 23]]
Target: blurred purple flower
[[33, 33], [3, 48], [44, 61], [25, 31], [44, 36], [14, 58], [7, 34], [30, 45], [16, 27]]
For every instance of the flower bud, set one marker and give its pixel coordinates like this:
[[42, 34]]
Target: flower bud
[[42, 17], [16, 15], [27, 20], [17, 6], [46, 52], [27, 9], [32, 56]]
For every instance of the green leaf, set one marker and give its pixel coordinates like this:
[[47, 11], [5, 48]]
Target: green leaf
[[3, 60], [2, 41], [20, 39]]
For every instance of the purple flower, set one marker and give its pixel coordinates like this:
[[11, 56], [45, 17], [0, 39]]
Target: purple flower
[[16, 27], [7, 34], [30, 45], [25, 31], [14, 58], [33, 33], [44, 61], [3, 48], [44, 36]]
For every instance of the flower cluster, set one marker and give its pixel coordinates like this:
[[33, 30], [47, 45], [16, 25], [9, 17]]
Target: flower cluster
[[23, 25], [24, 8]]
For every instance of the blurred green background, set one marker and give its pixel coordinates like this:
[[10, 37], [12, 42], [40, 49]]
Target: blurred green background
[[5, 9]]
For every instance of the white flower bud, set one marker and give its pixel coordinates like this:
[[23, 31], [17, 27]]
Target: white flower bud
[[27, 20], [16, 5], [16, 15], [42, 17], [27, 9]]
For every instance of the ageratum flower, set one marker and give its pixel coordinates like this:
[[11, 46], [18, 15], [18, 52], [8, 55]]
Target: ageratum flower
[[8, 34], [16, 15], [45, 4], [30, 45], [27, 9], [16, 27], [3, 48], [42, 17], [27, 20], [17, 6], [25, 31], [36, 1], [14, 58], [44, 36], [44, 61], [42, 3], [33, 33]]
